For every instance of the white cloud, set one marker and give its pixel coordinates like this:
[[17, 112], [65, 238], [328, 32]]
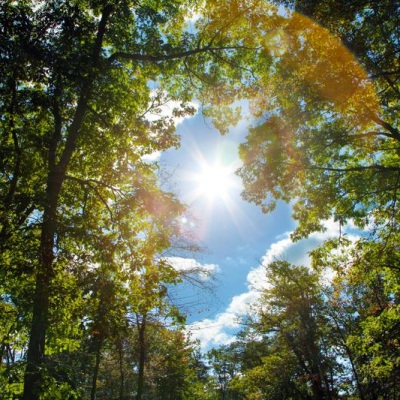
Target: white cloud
[[277, 249], [152, 157], [164, 107], [212, 332], [256, 277], [240, 304], [221, 329], [209, 333], [204, 271], [332, 229], [295, 252]]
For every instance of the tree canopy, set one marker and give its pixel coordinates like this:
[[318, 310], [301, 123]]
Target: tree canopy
[[327, 134], [85, 220]]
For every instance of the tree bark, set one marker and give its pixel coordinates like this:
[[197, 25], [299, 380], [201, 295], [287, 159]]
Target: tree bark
[[37, 339]]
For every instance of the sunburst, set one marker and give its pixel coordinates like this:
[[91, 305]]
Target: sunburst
[[214, 181]]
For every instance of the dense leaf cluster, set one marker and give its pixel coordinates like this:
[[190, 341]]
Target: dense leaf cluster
[[84, 221], [327, 140]]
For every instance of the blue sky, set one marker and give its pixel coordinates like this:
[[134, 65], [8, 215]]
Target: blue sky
[[238, 239]]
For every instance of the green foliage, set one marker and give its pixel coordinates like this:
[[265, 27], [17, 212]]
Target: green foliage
[[293, 313], [171, 365], [84, 219], [363, 307], [325, 139]]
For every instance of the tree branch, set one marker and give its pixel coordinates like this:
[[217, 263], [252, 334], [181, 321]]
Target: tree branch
[[90, 182], [384, 73], [395, 133], [358, 168], [85, 93], [17, 147], [172, 56]]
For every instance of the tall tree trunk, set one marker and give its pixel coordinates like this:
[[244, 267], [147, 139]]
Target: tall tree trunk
[[142, 355], [316, 385], [121, 369], [37, 339], [56, 177], [93, 392]]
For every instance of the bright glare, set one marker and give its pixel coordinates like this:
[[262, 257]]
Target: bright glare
[[214, 181], [212, 189]]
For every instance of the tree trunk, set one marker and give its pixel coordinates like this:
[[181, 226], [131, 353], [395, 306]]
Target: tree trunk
[[142, 356], [316, 382], [93, 391], [56, 177], [37, 339], [121, 369]]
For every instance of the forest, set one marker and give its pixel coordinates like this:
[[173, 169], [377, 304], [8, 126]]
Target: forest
[[86, 222]]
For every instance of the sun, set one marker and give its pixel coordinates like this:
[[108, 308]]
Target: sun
[[214, 181], [209, 182], [211, 187]]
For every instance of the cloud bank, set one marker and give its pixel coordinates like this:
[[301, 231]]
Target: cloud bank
[[221, 329]]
